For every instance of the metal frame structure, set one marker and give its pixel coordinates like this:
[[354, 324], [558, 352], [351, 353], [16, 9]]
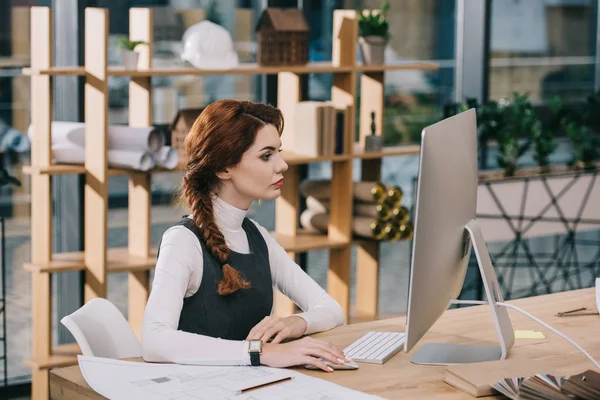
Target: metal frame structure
[[562, 268]]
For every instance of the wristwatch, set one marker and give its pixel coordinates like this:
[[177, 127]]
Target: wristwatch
[[255, 349]]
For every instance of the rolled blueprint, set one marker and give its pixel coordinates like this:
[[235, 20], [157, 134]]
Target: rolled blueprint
[[166, 157], [120, 137], [368, 192], [138, 160], [366, 227], [313, 221], [383, 212], [316, 205]]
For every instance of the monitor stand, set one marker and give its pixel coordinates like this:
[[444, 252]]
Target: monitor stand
[[446, 353]]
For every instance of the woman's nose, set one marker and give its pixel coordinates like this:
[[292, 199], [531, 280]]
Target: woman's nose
[[281, 166]]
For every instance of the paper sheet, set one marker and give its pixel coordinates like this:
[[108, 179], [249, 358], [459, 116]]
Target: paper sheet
[[527, 334], [598, 294], [71, 154], [117, 379], [120, 137]]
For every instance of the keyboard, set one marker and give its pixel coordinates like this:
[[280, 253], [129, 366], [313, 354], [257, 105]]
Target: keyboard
[[375, 347]]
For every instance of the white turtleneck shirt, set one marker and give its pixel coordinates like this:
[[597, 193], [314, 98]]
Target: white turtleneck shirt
[[178, 275]]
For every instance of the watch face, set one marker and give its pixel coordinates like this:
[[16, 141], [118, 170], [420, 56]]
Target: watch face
[[255, 345]]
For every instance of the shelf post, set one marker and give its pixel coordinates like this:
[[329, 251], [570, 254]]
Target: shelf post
[[96, 157], [140, 190], [41, 192], [367, 255], [289, 93], [343, 93]]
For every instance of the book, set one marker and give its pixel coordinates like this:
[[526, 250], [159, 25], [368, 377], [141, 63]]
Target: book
[[476, 379], [584, 386], [539, 386]]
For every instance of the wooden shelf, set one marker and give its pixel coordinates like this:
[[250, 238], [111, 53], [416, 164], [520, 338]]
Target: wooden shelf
[[404, 150], [63, 169], [13, 62], [305, 241], [54, 71], [405, 65], [62, 356], [61, 262], [119, 260], [290, 157], [56, 169], [242, 69], [299, 159]]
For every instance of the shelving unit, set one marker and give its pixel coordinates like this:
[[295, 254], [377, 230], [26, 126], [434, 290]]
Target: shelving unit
[[139, 258]]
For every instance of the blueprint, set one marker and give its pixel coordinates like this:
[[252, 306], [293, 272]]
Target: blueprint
[[116, 379]]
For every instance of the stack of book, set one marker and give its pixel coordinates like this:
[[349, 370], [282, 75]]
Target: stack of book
[[319, 129], [585, 386], [523, 379]]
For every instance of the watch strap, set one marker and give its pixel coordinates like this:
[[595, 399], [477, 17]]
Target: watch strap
[[255, 358]]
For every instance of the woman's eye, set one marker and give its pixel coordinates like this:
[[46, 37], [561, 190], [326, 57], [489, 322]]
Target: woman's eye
[[266, 157]]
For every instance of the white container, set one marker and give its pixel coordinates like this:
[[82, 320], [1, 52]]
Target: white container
[[130, 59], [372, 49]]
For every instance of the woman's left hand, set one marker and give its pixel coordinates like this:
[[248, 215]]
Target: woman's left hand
[[280, 328]]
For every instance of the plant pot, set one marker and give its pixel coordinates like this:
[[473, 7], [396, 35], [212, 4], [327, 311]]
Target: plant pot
[[543, 169], [130, 59], [372, 49], [584, 165]]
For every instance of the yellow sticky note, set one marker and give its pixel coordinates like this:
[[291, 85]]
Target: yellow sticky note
[[526, 334]]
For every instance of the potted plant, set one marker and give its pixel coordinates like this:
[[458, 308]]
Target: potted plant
[[543, 145], [373, 34], [130, 56], [586, 145], [514, 137], [580, 127]]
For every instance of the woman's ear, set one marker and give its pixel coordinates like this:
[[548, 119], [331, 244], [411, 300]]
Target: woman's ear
[[224, 175]]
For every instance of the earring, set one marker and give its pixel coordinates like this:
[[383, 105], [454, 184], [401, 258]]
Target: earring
[[260, 202]]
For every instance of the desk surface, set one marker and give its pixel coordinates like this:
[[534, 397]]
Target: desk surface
[[471, 325]]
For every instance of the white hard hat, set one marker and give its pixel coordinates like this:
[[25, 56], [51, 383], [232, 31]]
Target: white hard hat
[[207, 45]]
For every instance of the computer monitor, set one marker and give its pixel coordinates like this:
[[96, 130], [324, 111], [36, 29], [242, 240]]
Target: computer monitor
[[445, 231]]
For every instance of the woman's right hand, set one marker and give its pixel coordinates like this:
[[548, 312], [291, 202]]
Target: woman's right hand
[[305, 351]]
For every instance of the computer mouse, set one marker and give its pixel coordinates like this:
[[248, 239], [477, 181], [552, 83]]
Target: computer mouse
[[347, 365]]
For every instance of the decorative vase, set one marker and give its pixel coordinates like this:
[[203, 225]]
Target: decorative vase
[[372, 49], [130, 59]]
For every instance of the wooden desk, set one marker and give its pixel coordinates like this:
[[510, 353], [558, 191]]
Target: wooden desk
[[398, 378]]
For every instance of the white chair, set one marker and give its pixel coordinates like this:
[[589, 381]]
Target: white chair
[[102, 331]]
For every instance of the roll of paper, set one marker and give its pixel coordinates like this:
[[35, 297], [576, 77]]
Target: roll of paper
[[318, 222], [167, 157], [313, 221], [320, 189], [366, 209], [120, 137], [138, 160], [316, 205]]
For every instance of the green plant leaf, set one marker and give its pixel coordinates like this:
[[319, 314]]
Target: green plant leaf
[[374, 24], [123, 42]]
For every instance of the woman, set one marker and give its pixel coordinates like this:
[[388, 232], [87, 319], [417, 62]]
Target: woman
[[212, 292]]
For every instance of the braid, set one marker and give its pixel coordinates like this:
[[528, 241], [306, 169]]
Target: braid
[[202, 210], [217, 140]]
